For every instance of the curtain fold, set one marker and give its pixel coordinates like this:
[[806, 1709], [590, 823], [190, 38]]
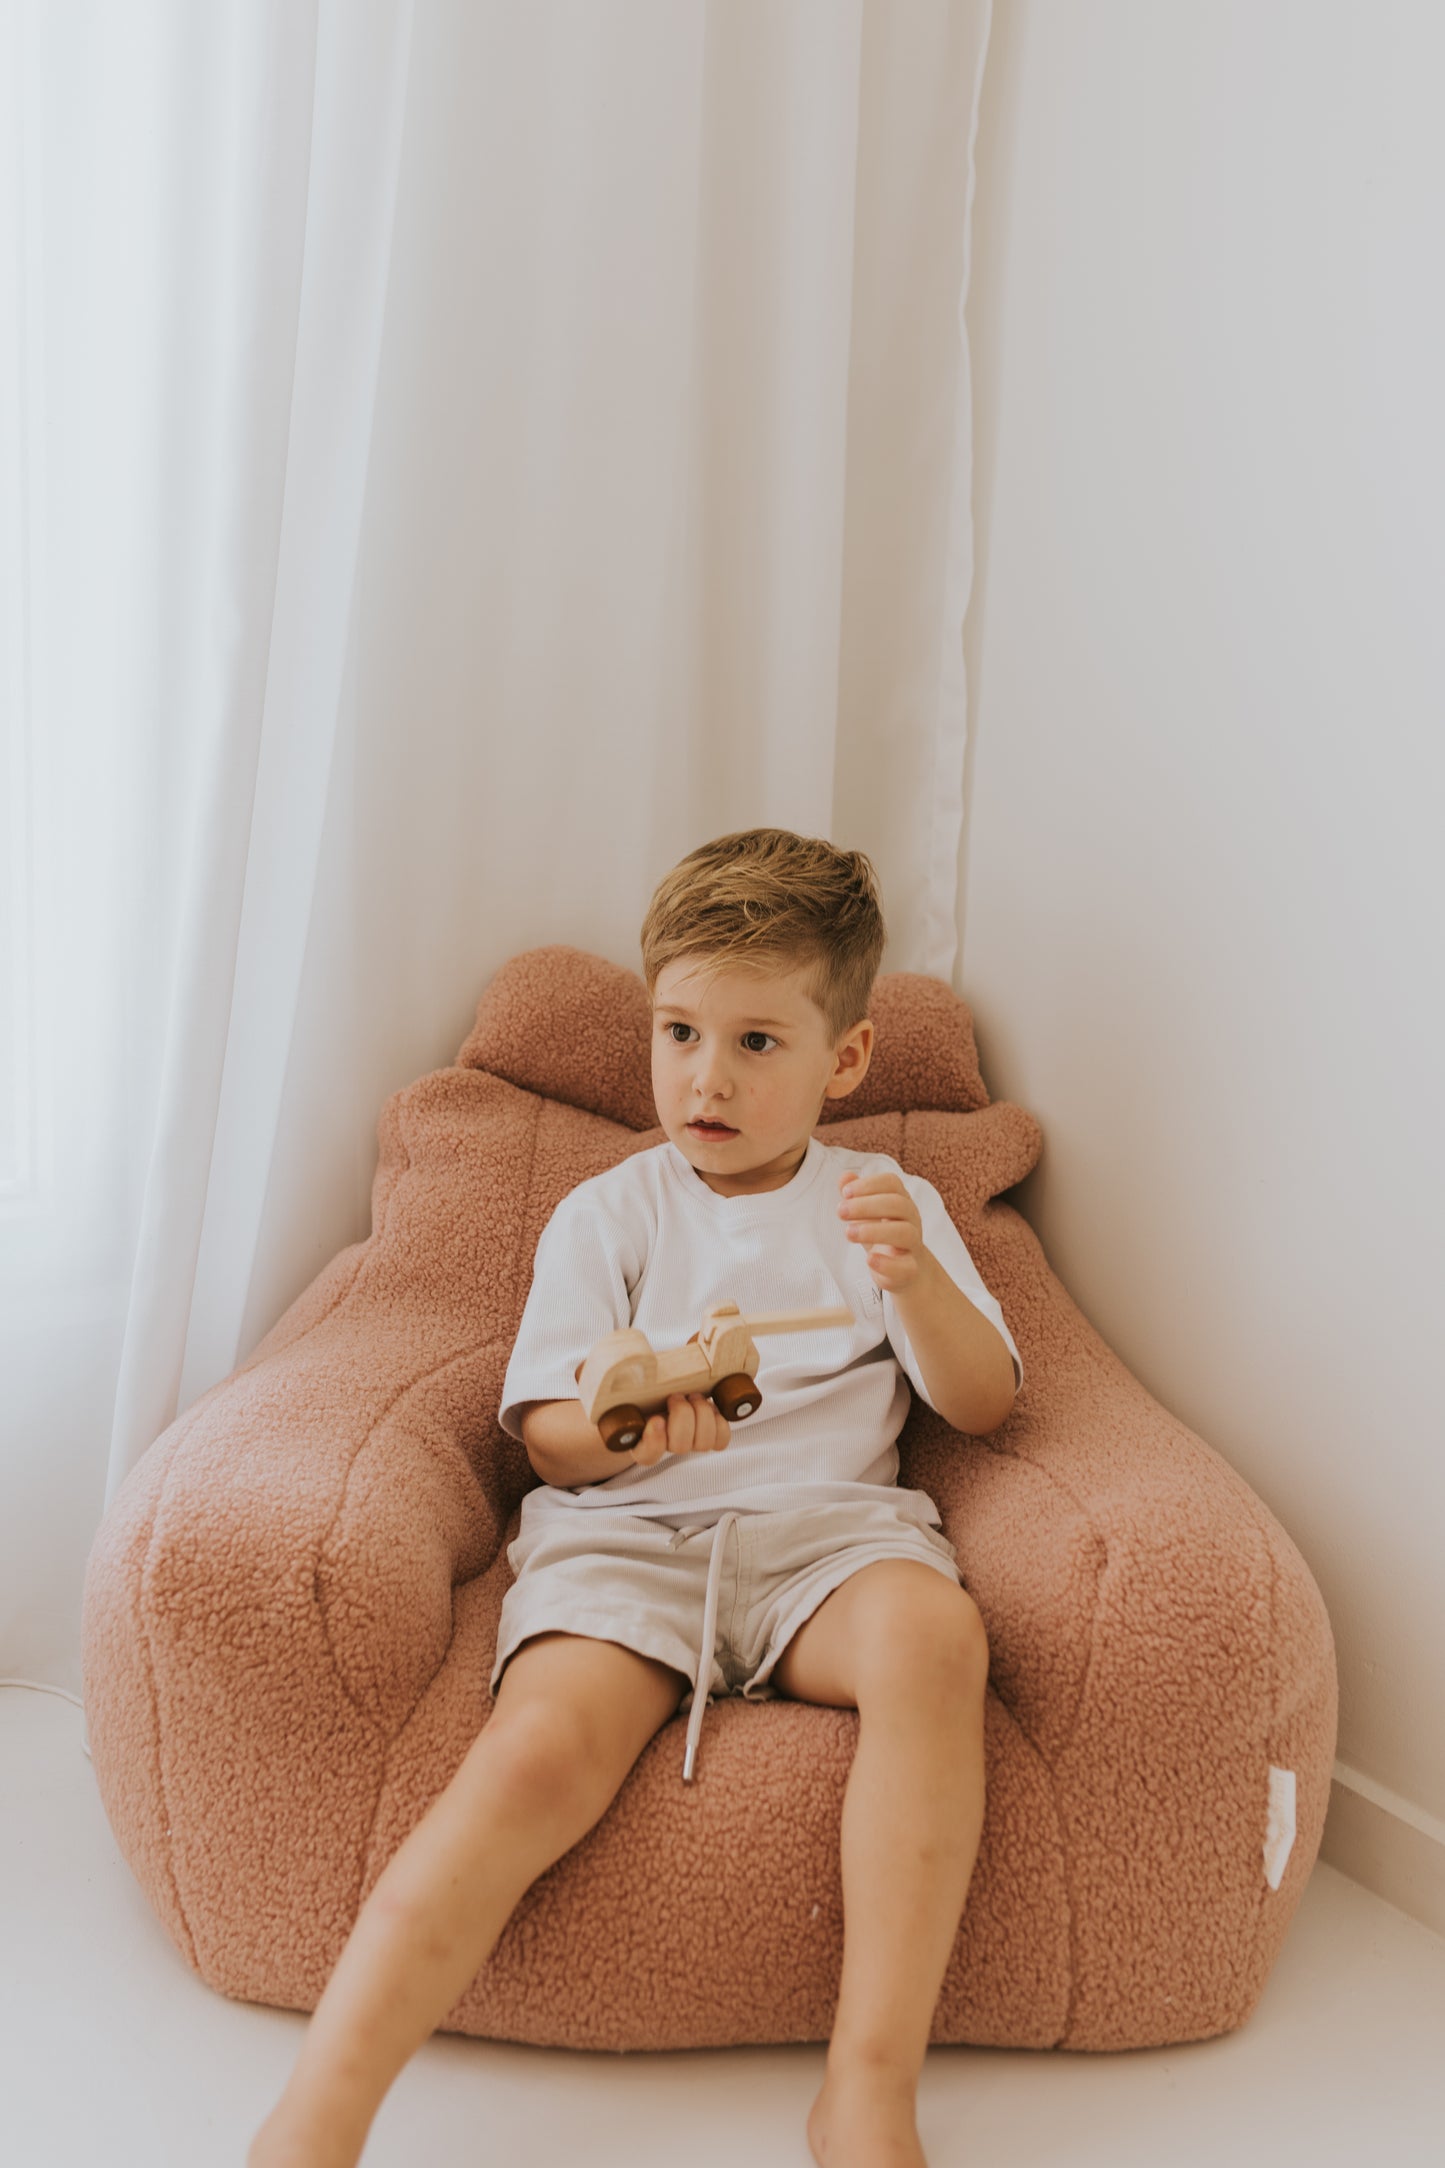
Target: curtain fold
[[462, 458], [314, 364]]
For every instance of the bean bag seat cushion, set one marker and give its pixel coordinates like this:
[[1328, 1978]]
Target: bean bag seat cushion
[[290, 1611]]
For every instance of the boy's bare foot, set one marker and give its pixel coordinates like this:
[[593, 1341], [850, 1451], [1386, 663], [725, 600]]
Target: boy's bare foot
[[864, 2118], [284, 2142]]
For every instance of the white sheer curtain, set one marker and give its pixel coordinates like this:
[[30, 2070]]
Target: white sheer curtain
[[455, 459]]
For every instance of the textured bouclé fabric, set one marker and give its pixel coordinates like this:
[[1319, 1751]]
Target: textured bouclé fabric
[[291, 1606]]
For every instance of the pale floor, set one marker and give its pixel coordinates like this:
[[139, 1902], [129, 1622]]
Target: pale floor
[[113, 2054]]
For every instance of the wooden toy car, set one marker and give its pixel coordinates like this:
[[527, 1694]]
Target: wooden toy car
[[623, 1380]]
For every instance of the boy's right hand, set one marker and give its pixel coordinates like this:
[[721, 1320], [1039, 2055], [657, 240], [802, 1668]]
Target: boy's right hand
[[691, 1424]]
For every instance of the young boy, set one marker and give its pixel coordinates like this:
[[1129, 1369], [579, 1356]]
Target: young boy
[[760, 952]]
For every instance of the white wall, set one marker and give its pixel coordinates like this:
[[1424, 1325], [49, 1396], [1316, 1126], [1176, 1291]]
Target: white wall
[[1204, 884]]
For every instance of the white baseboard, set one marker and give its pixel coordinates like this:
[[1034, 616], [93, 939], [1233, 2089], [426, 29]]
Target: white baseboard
[[1387, 1844]]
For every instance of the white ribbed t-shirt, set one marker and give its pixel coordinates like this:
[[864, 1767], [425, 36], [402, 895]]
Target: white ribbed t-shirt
[[647, 1243]]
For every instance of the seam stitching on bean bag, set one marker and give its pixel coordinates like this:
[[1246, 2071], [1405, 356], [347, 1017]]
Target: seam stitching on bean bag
[[150, 1670]]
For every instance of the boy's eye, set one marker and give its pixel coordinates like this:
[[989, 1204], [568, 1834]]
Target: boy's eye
[[747, 1035]]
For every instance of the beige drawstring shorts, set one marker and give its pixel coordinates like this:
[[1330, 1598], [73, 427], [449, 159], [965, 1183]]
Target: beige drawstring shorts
[[718, 1602]]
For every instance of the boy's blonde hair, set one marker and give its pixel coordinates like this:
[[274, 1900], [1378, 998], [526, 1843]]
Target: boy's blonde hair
[[764, 898]]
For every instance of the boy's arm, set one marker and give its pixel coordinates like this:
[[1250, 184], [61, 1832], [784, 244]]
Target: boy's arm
[[563, 1447], [966, 1367], [965, 1361], [588, 1258]]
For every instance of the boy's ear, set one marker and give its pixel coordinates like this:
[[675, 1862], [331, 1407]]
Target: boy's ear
[[857, 1044]]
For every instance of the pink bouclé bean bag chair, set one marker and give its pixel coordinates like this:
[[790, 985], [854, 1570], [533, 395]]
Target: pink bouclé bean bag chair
[[291, 1606]]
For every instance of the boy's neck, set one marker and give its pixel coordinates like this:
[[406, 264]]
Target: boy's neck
[[757, 1181]]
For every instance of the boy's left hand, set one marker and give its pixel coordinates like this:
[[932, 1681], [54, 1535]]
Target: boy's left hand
[[878, 1210]]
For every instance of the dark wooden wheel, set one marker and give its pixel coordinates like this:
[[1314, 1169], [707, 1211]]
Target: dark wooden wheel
[[737, 1397], [621, 1429]]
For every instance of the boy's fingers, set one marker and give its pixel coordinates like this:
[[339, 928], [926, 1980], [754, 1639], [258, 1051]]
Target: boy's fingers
[[879, 1197], [705, 1416], [681, 1423], [653, 1443], [706, 1420], [713, 1429], [690, 1423]]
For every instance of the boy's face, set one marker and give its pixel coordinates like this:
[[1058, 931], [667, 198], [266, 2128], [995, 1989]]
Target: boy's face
[[747, 1049]]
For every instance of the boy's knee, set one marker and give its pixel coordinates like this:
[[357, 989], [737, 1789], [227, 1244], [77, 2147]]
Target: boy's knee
[[930, 1645], [544, 1758]]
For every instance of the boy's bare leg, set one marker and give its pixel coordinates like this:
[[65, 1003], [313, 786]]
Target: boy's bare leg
[[910, 1654], [572, 1716]]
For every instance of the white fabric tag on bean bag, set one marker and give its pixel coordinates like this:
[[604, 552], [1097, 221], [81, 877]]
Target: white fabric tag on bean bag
[[1279, 1828]]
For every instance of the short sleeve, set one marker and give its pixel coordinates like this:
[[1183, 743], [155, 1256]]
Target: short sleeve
[[582, 1278], [948, 1246]]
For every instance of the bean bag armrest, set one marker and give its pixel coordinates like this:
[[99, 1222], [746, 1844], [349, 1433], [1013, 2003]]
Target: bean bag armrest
[[1154, 1634], [279, 1568], [1111, 1550]]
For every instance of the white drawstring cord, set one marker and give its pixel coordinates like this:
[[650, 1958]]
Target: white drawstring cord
[[709, 1634]]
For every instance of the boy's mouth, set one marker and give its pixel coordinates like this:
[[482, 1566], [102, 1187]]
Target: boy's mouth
[[710, 1132]]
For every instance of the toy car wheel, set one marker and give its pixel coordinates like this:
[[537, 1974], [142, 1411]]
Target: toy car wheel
[[737, 1397], [621, 1429]]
